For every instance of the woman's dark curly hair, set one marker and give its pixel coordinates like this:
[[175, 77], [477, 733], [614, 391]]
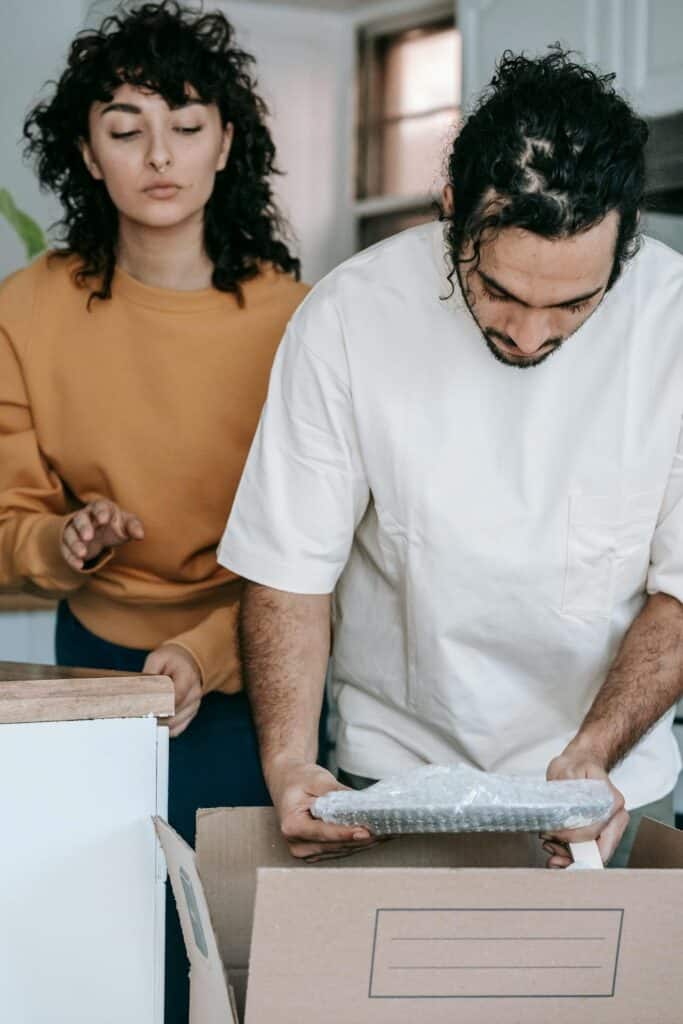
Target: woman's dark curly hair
[[165, 48], [550, 147]]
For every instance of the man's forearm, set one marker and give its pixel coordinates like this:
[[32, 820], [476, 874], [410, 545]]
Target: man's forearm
[[285, 645], [645, 680]]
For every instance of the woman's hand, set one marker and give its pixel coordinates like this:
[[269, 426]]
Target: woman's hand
[[98, 525], [177, 663]]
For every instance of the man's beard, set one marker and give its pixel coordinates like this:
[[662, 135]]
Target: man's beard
[[522, 362]]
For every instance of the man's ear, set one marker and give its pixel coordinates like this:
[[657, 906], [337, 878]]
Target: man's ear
[[89, 159], [447, 198], [228, 135]]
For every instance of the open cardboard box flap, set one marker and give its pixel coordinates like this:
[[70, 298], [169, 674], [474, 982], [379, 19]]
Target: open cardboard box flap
[[372, 940], [210, 998]]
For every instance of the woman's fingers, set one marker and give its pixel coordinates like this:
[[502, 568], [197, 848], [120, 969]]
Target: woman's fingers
[[71, 540], [133, 526], [180, 722], [82, 524], [72, 560], [102, 511]]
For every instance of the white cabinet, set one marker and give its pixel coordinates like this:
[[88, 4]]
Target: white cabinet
[[653, 57], [81, 879], [638, 39], [491, 26]]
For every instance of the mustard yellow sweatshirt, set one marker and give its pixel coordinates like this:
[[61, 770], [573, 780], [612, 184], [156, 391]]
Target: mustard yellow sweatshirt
[[150, 399]]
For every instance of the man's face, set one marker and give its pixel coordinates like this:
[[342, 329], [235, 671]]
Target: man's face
[[529, 294]]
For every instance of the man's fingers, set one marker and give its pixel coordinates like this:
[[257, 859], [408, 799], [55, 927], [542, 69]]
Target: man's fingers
[[558, 854], [558, 862], [590, 832], [554, 849], [319, 853], [576, 835], [322, 853], [302, 826], [313, 852], [610, 837]]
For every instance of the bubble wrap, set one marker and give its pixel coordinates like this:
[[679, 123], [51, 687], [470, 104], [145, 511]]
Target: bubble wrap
[[455, 798]]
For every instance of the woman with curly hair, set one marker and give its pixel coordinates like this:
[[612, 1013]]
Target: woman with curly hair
[[134, 361]]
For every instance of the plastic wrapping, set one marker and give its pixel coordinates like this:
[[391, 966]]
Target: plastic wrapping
[[456, 798]]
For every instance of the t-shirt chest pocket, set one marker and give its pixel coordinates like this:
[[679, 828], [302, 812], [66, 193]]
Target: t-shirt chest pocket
[[608, 550]]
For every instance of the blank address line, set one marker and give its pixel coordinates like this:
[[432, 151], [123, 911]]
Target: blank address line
[[499, 967], [502, 938]]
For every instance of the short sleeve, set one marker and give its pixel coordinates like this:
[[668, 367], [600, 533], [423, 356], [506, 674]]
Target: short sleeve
[[666, 553], [303, 490]]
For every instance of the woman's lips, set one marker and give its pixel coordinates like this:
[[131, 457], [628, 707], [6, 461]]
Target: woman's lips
[[165, 191]]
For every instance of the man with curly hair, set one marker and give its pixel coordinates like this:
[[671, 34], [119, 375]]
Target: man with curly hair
[[502, 530]]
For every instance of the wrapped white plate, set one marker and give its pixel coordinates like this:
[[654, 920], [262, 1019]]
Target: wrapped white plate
[[456, 798]]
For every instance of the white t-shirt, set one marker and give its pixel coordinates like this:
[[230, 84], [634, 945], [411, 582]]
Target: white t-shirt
[[491, 532]]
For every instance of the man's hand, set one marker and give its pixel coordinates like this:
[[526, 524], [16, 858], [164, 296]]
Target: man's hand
[[578, 762], [294, 787], [98, 525], [177, 663]]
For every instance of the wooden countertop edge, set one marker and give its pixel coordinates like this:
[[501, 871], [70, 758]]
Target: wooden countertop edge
[[82, 697]]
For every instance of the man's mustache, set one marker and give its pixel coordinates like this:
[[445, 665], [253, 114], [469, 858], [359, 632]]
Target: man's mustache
[[491, 333]]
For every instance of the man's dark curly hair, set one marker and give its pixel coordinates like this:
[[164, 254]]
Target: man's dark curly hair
[[551, 148], [163, 47]]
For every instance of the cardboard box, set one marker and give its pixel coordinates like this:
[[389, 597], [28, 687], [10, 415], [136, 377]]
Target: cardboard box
[[456, 929]]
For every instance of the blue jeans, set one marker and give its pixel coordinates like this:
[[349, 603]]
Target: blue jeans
[[214, 763]]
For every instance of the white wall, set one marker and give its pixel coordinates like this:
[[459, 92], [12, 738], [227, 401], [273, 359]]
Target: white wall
[[305, 74], [34, 40], [666, 228]]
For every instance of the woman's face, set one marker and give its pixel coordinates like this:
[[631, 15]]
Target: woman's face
[[158, 164]]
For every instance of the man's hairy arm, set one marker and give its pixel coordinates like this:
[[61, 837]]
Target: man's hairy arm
[[285, 644], [645, 680]]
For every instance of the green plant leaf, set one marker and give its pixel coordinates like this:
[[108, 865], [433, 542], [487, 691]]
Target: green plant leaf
[[29, 232]]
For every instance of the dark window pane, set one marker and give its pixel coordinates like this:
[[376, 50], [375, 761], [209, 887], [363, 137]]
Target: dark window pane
[[379, 226], [409, 95]]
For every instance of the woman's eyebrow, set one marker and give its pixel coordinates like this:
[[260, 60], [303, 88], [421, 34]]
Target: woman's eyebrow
[[126, 108], [131, 108]]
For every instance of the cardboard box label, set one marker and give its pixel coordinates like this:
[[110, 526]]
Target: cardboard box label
[[460, 953]]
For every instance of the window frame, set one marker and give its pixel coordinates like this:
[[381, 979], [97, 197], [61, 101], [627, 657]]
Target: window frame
[[440, 12]]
